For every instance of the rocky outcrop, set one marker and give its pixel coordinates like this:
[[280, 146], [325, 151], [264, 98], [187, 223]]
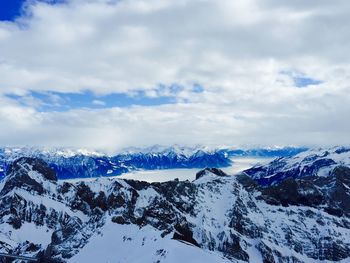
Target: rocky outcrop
[[206, 171], [23, 174], [331, 193]]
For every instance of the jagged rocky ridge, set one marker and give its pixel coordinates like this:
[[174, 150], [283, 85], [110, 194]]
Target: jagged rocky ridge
[[232, 216], [315, 162]]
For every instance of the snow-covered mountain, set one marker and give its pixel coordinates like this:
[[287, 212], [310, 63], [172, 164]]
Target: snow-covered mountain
[[80, 163], [215, 218], [320, 162], [264, 152], [229, 151]]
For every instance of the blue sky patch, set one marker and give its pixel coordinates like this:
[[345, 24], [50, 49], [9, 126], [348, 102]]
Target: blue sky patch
[[11, 9], [56, 101], [197, 88], [301, 80]]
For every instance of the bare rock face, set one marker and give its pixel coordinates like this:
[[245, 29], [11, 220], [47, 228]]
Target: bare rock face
[[292, 221], [213, 171], [330, 193]]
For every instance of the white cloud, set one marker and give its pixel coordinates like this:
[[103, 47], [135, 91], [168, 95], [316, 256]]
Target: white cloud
[[320, 121], [131, 44], [235, 49], [98, 103]]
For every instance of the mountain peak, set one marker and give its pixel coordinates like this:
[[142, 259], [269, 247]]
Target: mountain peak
[[209, 172], [29, 173]]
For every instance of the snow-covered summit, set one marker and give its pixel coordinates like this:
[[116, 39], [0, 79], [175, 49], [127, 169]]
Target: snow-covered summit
[[162, 149], [16, 152]]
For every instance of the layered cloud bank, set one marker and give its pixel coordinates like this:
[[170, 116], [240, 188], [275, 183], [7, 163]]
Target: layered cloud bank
[[110, 74]]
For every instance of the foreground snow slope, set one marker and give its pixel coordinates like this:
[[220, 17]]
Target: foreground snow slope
[[129, 243]]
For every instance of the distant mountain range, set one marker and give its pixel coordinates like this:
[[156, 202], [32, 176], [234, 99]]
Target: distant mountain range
[[80, 163], [265, 152]]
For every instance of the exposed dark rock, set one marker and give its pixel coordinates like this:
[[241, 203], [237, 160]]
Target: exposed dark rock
[[293, 192], [232, 248], [215, 171], [241, 222], [115, 201], [120, 220], [138, 185], [247, 182], [184, 233], [331, 192], [266, 253]]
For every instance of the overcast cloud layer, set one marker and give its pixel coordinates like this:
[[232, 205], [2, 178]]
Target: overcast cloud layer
[[248, 56]]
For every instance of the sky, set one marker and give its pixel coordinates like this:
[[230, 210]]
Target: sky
[[109, 74]]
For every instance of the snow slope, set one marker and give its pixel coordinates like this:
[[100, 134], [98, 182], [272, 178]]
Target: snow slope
[[128, 243]]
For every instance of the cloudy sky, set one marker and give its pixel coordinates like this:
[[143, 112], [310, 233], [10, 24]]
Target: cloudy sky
[[108, 74]]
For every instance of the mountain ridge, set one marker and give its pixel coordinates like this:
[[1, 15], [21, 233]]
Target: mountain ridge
[[313, 162], [229, 217]]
